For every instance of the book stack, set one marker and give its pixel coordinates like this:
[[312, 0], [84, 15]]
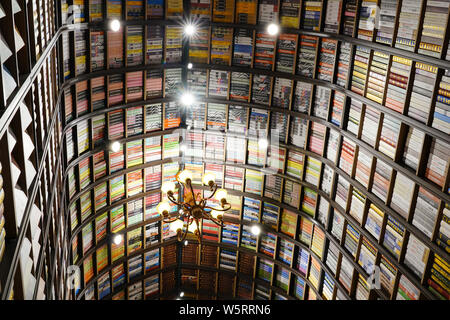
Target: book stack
[[288, 222], [152, 149], [268, 11], [437, 163], [307, 56], [298, 132], [135, 53], [154, 84], [216, 116], [374, 221], [265, 269], [302, 97], [80, 52], [261, 292], [282, 277], [367, 256], [363, 168], [318, 241], [425, 212], [347, 156], [100, 194], [314, 272], [346, 273], [377, 77], [367, 16], [98, 94], [240, 86], [349, 18], [154, 48], [434, 27], [223, 11], [326, 59], [290, 13], [381, 179], [327, 286], [172, 115], [406, 290], [302, 261], [199, 9], [408, 24], [312, 170], [416, 255], [199, 46], [438, 281], [343, 64], [221, 42], [248, 239], [305, 231], [402, 194], [173, 45], [152, 237], [174, 9], [242, 47], [286, 49], [246, 11], [360, 70], [135, 120], [312, 15], [422, 92], [151, 286], [115, 91], [393, 237], [354, 116], [388, 274], [388, 14], [370, 126], [118, 276], [342, 191], [332, 258], [351, 239], [82, 92], [357, 205], [299, 288], [264, 50], [155, 9], [444, 229], [103, 286], [390, 130], [172, 82], [441, 109], [291, 195], [97, 50], [261, 89], [321, 102], [282, 93], [135, 10], [333, 145], [323, 209]]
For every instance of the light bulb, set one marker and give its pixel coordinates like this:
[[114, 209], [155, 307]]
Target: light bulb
[[181, 294], [186, 242], [176, 225], [187, 99], [256, 230], [189, 29], [115, 25], [190, 65], [192, 227], [183, 147], [115, 146], [207, 178], [263, 143], [163, 207], [118, 239], [168, 186], [185, 175], [272, 29], [221, 194]]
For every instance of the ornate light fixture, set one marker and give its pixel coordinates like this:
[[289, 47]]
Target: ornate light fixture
[[194, 207]]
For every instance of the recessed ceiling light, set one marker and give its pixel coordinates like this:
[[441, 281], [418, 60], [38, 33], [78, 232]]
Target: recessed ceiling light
[[118, 239], [115, 25], [263, 143], [256, 230], [272, 29], [190, 65], [189, 29], [115, 146], [187, 99]]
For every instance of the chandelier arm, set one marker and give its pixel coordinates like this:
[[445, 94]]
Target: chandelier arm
[[220, 209], [199, 233], [220, 224], [185, 232], [171, 220], [173, 200], [213, 192]]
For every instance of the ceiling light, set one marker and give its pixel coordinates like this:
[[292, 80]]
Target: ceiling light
[[272, 29], [189, 29], [118, 239], [208, 179], [190, 65], [256, 230], [187, 99], [168, 186], [115, 25], [115, 146], [186, 175], [181, 294], [183, 148], [263, 143]]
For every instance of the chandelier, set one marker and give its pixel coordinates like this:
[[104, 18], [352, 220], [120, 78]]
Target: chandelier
[[194, 207]]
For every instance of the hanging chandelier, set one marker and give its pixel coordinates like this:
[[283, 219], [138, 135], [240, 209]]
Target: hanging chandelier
[[194, 207]]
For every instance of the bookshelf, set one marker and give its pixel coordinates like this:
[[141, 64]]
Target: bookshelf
[[362, 163]]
